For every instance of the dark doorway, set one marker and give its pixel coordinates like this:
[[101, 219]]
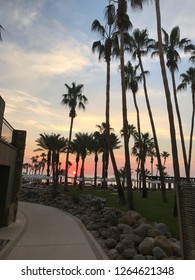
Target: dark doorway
[[4, 180]]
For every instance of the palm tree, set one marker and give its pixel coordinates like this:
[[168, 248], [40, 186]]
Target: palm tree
[[164, 155], [75, 148], [42, 162], [105, 151], [188, 78], [167, 95], [106, 47], [110, 142], [172, 130], [152, 154], [59, 145], [143, 151], [85, 141], [139, 45], [45, 144], [171, 44], [73, 99], [124, 25], [97, 148]]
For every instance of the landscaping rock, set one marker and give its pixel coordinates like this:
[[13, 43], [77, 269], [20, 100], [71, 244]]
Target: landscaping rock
[[158, 253], [129, 253], [110, 243], [146, 246]]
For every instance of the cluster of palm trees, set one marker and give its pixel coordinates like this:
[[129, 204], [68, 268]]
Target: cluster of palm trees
[[116, 41], [85, 144]]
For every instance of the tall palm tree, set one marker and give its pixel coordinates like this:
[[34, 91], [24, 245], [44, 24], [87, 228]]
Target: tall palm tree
[[139, 45], [167, 95], [124, 25], [172, 130], [73, 99], [106, 47], [188, 78], [171, 44]]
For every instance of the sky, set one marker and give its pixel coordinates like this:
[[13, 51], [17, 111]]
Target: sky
[[48, 43]]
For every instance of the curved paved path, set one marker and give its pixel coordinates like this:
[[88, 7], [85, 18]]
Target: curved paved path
[[46, 233]]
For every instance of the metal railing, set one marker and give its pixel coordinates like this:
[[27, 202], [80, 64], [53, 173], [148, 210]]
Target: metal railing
[[6, 132]]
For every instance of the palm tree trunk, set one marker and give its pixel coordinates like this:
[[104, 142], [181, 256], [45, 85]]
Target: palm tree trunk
[[95, 170], [192, 131], [163, 189], [67, 155], [107, 129], [125, 123], [168, 96], [180, 127], [121, 194], [76, 171], [82, 175], [171, 120]]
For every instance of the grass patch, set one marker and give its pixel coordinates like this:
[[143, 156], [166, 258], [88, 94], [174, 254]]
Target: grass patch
[[152, 208]]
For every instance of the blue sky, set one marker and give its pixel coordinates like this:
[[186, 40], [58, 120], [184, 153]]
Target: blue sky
[[48, 43]]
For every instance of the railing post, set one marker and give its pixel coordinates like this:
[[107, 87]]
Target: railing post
[[2, 108]]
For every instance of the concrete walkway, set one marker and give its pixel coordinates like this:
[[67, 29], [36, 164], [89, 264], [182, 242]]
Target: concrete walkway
[[47, 233]]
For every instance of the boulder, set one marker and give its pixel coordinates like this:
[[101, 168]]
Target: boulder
[[127, 219], [129, 253], [164, 243], [110, 243], [142, 230], [158, 253], [146, 246]]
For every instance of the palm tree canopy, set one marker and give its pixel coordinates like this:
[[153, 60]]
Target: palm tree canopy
[[51, 142], [85, 141], [140, 44], [137, 4], [147, 143], [171, 44], [131, 77], [131, 130], [74, 98], [188, 78], [108, 45]]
